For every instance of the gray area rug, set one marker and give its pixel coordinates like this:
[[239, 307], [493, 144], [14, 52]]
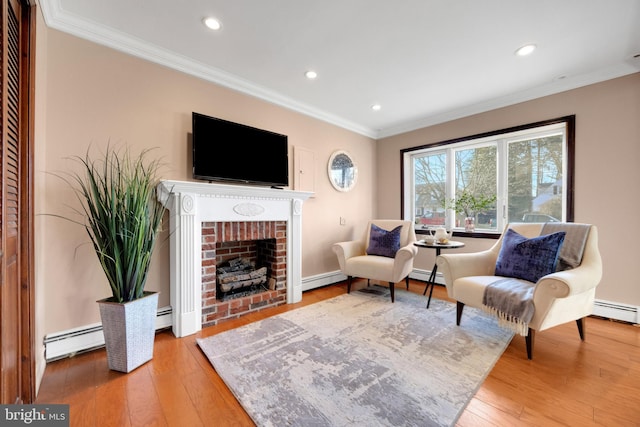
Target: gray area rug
[[359, 360]]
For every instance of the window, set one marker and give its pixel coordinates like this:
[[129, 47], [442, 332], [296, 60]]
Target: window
[[522, 174]]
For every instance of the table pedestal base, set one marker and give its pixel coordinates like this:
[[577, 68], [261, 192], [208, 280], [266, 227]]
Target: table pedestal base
[[438, 247]]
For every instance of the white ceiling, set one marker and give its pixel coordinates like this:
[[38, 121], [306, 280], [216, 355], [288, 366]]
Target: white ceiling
[[423, 61]]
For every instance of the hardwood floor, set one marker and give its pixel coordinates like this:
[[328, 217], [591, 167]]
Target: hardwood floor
[[568, 382]]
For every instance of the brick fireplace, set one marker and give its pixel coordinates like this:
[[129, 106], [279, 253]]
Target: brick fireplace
[[263, 243], [194, 207]]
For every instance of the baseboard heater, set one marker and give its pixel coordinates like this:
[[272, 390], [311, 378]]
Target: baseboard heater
[[79, 340], [423, 275], [617, 311], [74, 341], [320, 280]]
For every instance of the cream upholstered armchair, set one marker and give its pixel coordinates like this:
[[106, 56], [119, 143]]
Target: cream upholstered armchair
[[556, 298], [385, 252]]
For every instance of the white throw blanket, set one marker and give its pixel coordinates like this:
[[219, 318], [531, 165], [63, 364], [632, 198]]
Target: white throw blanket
[[511, 301]]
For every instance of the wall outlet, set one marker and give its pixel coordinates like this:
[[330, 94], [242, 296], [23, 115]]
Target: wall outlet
[[343, 221]]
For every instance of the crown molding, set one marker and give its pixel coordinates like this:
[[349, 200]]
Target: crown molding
[[57, 18], [552, 88]]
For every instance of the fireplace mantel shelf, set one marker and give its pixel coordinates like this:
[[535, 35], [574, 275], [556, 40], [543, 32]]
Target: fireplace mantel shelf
[[226, 190], [192, 203]]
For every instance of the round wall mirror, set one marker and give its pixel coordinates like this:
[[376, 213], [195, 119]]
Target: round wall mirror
[[343, 172]]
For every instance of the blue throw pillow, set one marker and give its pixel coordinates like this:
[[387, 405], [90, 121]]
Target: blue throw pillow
[[383, 242], [528, 259]]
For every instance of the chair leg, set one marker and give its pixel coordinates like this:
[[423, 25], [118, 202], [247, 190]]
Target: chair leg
[[581, 327], [459, 308], [368, 282], [349, 279], [392, 287], [529, 340], [406, 279], [531, 337]]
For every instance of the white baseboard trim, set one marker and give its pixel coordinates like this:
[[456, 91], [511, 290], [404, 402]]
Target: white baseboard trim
[[319, 280], [617, 311], [423, 275], [68, 343]]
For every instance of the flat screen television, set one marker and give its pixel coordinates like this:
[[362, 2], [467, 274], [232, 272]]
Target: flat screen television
[[231, 152]]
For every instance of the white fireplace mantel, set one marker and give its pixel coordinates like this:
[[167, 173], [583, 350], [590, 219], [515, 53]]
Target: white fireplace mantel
[[192, 203]]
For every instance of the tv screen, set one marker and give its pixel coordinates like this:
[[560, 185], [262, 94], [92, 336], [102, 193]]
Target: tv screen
[[232, 152]]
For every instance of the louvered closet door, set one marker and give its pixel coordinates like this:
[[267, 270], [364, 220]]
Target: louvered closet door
[[14, 137]]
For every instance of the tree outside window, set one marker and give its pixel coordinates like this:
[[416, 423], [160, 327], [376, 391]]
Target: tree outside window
[[476, 186], [430, 190], [535, 179]]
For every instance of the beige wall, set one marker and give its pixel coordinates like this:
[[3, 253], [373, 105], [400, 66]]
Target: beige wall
[[95, 96], [606, 179], [89, 95]]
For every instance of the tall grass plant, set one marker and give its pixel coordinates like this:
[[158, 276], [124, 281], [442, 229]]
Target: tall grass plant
[[122, 216]]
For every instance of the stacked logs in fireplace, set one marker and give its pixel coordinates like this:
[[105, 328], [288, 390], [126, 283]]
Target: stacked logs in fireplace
[[239, 277]]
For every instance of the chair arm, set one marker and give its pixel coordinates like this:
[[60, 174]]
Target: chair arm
[[346, 250], [454, 266], [403, 261], [405, 253], [562, 284]]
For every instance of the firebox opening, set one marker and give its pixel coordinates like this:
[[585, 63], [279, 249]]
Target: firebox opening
[[244, 268]]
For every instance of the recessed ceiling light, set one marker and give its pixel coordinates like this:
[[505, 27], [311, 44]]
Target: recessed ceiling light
[[526, 50], [376, 107], [212, 23], [311, 74]]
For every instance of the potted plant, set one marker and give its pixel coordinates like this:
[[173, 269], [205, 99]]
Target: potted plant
[[123, 219], [470, 205]]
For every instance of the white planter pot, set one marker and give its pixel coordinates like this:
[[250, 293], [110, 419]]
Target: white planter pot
[[129, 331]]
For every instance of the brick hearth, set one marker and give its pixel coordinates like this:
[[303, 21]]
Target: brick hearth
[[260, 241]]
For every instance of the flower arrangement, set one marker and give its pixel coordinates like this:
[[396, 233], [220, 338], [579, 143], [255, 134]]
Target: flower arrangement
[[470, 205]]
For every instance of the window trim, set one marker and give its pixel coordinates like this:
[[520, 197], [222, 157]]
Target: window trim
[[570, 124]]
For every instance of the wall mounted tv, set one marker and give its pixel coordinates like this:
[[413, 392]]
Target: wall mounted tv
[[232, 152]]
